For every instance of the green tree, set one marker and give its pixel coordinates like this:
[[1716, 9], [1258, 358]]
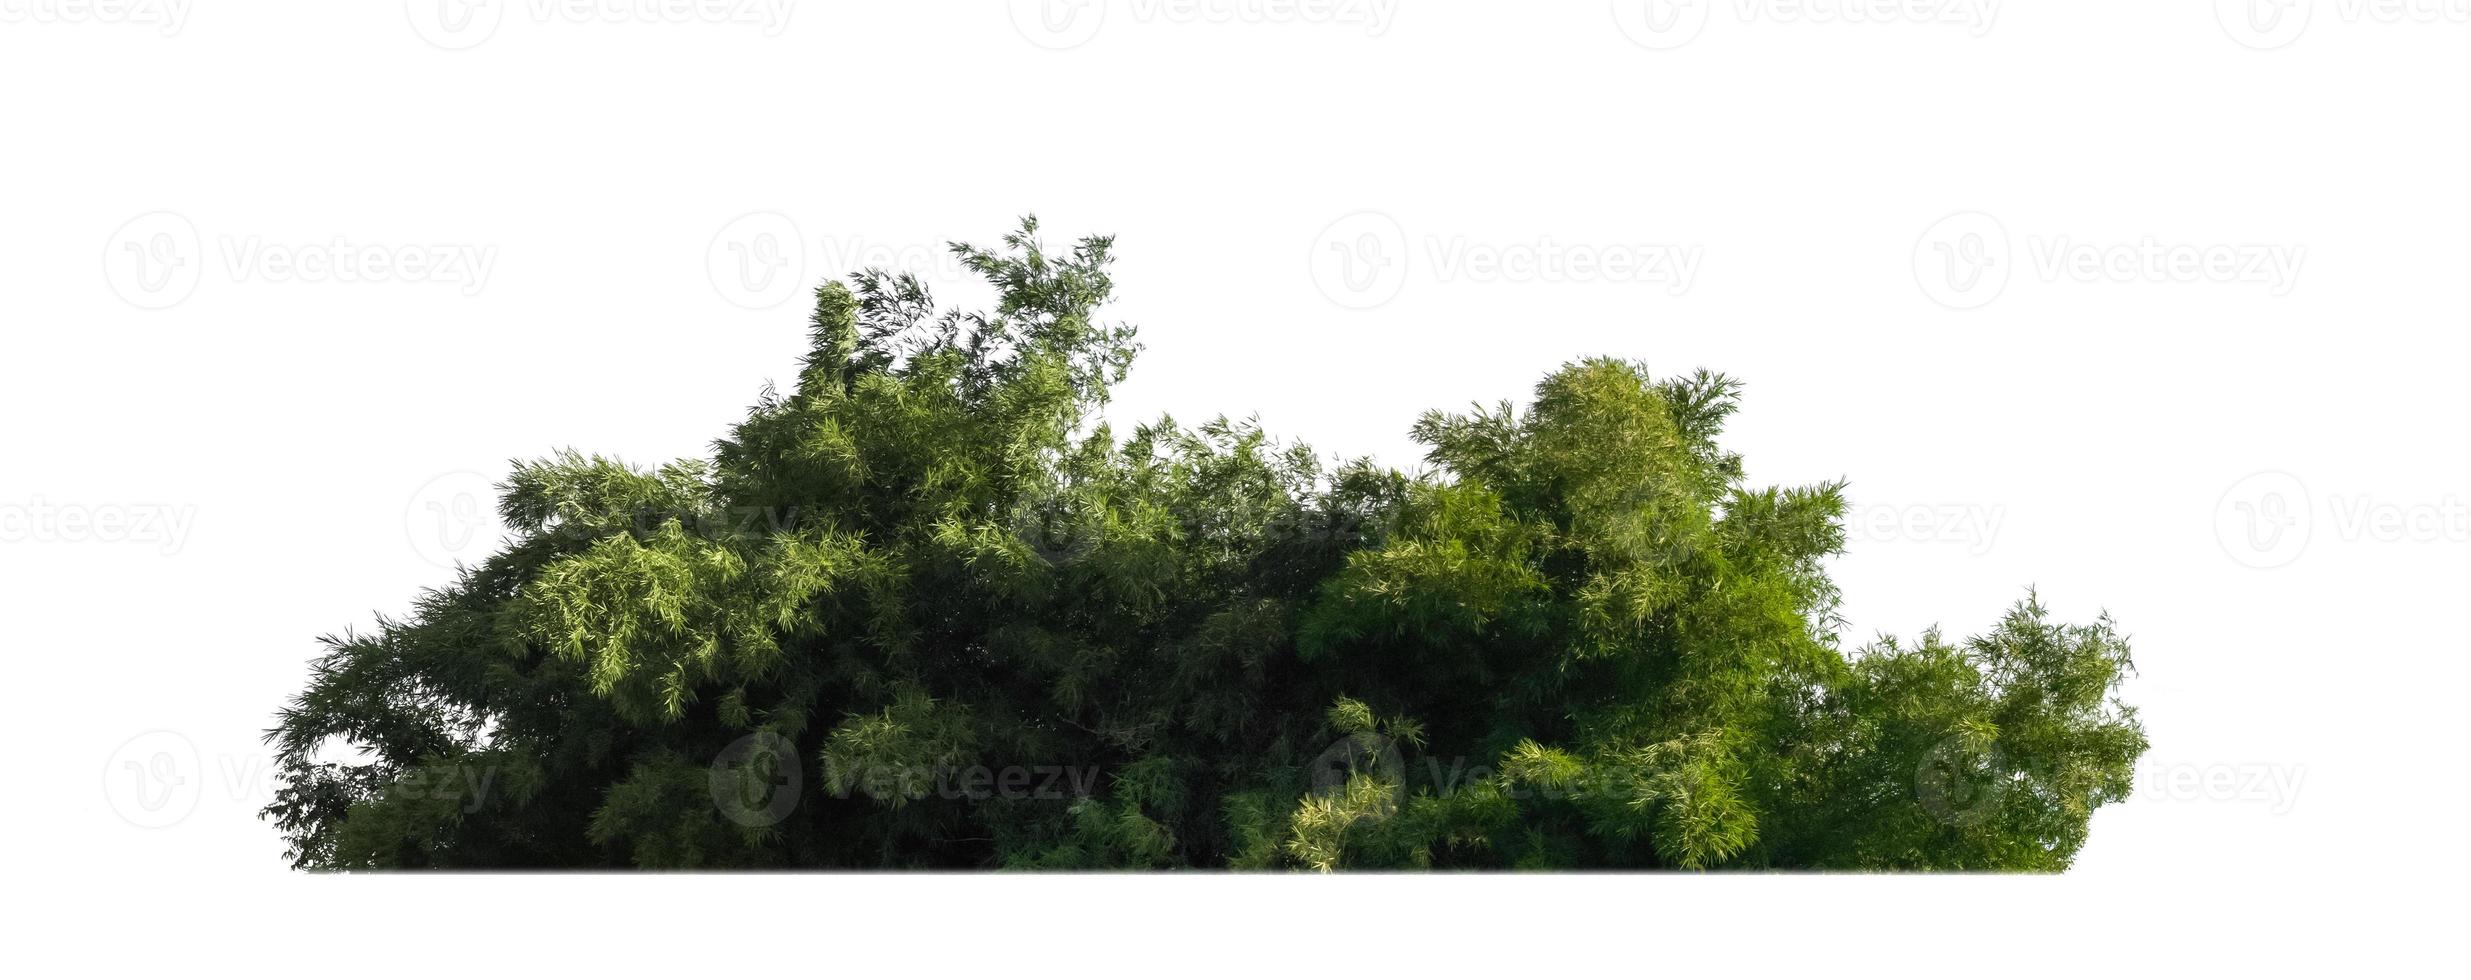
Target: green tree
[[929, 610]]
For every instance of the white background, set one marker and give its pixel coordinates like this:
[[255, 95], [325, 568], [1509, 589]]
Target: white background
[[214, 448]]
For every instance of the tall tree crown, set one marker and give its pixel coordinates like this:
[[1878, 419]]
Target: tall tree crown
[[928, 609]]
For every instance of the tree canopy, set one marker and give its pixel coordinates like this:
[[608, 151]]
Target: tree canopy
[[930, 610]]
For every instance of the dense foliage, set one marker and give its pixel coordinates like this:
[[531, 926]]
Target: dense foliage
[[928, 610]]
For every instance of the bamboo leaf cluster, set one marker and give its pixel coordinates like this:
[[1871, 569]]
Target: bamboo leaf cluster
[[929, 609]]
